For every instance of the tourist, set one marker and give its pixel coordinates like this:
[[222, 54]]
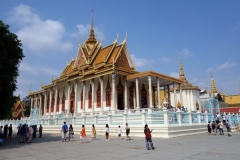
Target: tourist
[[83, 134], [119, 132], [93, 132], [26, 132], [71, 133], [22, 134], [228, 126], [209, 127], [5, 131], [34, 131], [224, 119], [10, 131], [148, 138], [213, 127], [127, 132], [107, 132], [40, 131], [30, 133], [64, 131], [19, 130], [220, 125]]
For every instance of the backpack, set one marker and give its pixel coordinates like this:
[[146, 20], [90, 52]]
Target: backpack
[[148, 134]]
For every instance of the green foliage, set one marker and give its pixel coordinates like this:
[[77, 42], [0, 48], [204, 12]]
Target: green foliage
[[11, 55], [27, 110]]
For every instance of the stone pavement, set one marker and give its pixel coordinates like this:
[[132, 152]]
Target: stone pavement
[[50, 147]]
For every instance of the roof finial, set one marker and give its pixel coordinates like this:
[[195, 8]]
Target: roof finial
[[213, 87], [181, 72], [91, 38], [116, 38]]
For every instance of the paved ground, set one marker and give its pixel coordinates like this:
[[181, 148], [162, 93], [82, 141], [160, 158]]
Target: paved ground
[[50, 147]]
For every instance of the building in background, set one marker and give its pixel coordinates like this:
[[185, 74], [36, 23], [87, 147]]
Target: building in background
[[18, 109]]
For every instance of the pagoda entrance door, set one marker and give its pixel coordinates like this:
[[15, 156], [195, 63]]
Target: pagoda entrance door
[[120, 100], [72, 100]]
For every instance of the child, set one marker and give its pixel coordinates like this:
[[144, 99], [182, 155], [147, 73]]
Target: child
[[209, 127], [93, 132], [228, 126], [119, 133], [107, 132]]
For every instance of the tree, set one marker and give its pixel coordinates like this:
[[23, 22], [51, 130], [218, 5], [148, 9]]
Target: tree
[[11, 54]]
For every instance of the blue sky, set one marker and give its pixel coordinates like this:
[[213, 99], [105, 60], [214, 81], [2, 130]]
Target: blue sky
[[205, 34]]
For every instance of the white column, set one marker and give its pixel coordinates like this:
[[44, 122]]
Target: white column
[[55, 100], [180, 91], [40, 105], [84, 89], [31, 102], [50, 103], [45, 102], [191, 100], [113, 93], [68, 98], [137, 93], [158, 93], [150, 91], [75, 102], [125, 95], [101, 85], [92, 83], [175, 94], [60, 102]]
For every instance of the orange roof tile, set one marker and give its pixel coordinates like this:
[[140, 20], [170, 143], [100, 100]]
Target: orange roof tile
[[114, 54], [103, 54]]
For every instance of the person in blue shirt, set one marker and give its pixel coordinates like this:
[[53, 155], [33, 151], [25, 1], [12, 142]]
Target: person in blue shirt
[[22, 134], [64, 131]]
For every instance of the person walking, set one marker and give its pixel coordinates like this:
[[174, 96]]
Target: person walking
[[40, 130], [224, 119], [19, 130], [213, 127], [148, 138], [64, 131], [228, 126], [5, 131], [10, 131], [83, 134], [220, 125], [71, 133], [120, 133], [127, 132], [93, 132], [209, 127], [1, 132], [22, 134], [30, 133], [107, 132]]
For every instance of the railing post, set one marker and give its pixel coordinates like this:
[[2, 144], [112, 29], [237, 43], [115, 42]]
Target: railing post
[[166, 119], [56, 120], [73, 119], [109, 119], [124, 118], [95, 119], [190, 117], [179, 117], [206, 116], [49, 121], [199, 118], [84, 119], [143, 117]]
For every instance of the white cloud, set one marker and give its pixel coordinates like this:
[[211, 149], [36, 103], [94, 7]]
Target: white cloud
[[165, 59], [185, 52], [84, 30], [174, 74], [37, 35], [140, 62], [35, 70], [223, 66]]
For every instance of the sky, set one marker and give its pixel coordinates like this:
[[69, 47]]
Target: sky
[[204, 34]]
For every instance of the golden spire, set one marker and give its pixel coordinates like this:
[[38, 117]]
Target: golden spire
[[179, 104], [91, 38], [213, 87], [181, 72]]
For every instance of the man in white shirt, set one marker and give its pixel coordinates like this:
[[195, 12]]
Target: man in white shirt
[[120, 133], [30, 133]]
